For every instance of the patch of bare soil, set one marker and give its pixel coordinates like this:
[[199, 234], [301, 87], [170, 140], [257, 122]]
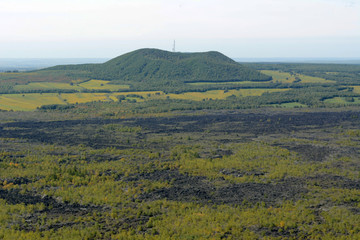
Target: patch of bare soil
[[332, 181], [195, 188], [53, 209], [87, 132], [310, 152]]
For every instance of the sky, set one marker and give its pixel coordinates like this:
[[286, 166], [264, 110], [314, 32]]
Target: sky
[[237, 28]]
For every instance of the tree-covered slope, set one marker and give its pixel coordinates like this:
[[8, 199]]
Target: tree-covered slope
[[157, 66]]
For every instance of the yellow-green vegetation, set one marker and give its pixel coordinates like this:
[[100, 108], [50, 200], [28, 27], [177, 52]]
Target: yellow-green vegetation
[[28, 101], [198, 96], [291, 105], [336, 100], [356, 89], [266, 163], [141, 95], [83, 182], [215, 222], [221, 94], [217, 83], [91, 85], [234, 175], [254, 162], [171, 219], [84, 97], [285, 77], [103, 85], [343, 100], [46, 86], [31, 101]]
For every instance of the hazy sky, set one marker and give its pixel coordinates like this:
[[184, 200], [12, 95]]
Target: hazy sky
[[238, 28]]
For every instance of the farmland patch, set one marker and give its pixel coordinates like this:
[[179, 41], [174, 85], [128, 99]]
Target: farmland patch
[[286, 77]]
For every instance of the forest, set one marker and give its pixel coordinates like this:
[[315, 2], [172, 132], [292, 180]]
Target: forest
[[273, 156]]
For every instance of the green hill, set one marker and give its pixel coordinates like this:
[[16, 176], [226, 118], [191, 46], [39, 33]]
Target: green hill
[[153, 68]]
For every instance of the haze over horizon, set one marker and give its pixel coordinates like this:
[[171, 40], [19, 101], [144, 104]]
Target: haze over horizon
[[239, 29]]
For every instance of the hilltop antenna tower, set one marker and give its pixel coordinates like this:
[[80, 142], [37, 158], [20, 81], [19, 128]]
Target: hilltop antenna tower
[[173, 49]]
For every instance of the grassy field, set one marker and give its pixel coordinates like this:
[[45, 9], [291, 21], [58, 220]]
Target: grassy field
[[91, 85], [283, 77], [46, 86], [84, 97], [144, 94], [291, 105], [221, 94], [217, 83], [341, 100], [356, 89], [100, 84], [28, 102], [286, 77]]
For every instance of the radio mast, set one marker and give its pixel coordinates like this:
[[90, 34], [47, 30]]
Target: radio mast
[[173, 49]]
